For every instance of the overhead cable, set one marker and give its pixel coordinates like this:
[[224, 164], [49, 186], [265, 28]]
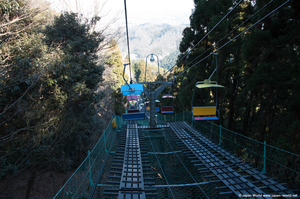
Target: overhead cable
[[206, 35], [195, 64], [233, 30], [235, 37], [127, 40], [253, 25]]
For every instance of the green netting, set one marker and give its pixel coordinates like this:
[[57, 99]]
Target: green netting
[[174, 172], [81, 183], [275, 162], [101, 183], [175, 175]]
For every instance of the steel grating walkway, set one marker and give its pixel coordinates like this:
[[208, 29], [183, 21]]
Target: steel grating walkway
[[233, 180], [229, 173], [177, 161], [129, 168]]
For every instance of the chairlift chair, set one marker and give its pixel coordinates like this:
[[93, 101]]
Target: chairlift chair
[[133, 103], [206, 112], [147, 105], [165, 107], [157, 105], [131, 92]]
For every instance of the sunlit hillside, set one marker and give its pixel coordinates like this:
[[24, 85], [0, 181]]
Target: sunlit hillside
[[149, 38]]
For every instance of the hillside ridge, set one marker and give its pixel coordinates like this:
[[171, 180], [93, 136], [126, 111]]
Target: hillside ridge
[[150, 38]]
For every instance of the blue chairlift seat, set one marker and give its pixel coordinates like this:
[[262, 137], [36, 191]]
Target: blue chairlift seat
[[134, 116], [134, 89]]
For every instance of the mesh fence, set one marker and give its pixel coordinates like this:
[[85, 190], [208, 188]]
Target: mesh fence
[[277, 163], [81, 183], [175, 174]]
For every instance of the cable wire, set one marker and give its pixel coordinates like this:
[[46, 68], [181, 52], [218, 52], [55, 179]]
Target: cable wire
[[206, 35], [161, 168], [127, 40], [194, 64], [253, 25], [235, 37], [233, 30]]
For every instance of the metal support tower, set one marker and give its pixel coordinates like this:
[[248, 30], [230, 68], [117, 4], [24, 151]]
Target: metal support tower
[[153, 94]]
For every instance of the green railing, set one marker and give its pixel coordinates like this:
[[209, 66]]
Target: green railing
[[81, 183], [275, 162]]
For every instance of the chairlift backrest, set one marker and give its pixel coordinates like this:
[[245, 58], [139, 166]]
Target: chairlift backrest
[[167, 108], [134, 89], [206, 112], [132, 97]]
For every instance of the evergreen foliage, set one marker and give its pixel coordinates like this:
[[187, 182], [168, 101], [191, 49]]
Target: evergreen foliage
[[161, 39], [139, 69], [169, 61], [114, 67], [260, 69], [48, 92]]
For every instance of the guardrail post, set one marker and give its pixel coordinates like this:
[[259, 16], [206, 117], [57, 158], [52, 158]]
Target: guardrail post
[[265, 157], [90, 172], [220, 136], [104, 140]]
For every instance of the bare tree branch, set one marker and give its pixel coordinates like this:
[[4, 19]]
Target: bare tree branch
[[33, 83], [16, 20]]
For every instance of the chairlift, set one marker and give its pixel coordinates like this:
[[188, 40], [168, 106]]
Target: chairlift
[[141, 107], [166, 107], [147, 105], [157, 105], [133, 103], [207, 112], [132, 92]]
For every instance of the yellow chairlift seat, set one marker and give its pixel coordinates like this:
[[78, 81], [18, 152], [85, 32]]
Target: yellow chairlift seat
[[206, 112]]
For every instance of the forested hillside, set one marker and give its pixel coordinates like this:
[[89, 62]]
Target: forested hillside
[[169, 61], [139, 68], [152, 38], [260, 68]]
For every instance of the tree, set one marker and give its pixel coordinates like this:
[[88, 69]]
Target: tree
[[114, 77], [48, 95], [91, 12], [271, 67], [259, 69], [169, 61]]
